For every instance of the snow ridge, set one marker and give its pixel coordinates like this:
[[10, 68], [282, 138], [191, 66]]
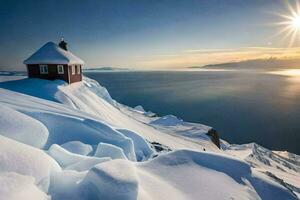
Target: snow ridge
[[60, 141]]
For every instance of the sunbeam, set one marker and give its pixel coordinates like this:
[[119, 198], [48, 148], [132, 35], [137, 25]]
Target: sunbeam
[[290, 24]]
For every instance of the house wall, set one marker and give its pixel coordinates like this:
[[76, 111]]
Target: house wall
[[76, 77], [34, 72]]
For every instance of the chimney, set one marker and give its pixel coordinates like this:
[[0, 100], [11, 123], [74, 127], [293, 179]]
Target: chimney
[[63, 44]]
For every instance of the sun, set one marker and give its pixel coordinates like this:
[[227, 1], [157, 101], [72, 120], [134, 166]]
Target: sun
[[290, 24], [296, 22]]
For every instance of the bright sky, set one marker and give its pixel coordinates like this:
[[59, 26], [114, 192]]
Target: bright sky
[[148, 34]]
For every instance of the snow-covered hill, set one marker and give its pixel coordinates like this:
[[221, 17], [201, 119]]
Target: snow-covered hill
[[60, 141]]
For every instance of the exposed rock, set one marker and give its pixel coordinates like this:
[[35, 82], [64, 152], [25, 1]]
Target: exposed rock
[[160, 147], [214, 136]]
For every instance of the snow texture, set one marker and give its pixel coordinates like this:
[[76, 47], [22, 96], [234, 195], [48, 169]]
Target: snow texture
[[78, 147], [139, 108], [74, 141], [51, 53], [16, 186], [87, 163], [26, 160], [109, 150], [142, 149], [63, 157], [111, 180], [22, 128]]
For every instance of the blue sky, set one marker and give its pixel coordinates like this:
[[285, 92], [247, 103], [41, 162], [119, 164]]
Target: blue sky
[[142, 34]]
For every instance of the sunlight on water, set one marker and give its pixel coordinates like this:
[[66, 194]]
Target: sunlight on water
[[291, 90], [288, 72], [244, 106]]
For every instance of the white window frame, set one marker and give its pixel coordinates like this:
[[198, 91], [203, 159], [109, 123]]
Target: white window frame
[[78, 69], [43, 69], [73, 69], [60, 69]]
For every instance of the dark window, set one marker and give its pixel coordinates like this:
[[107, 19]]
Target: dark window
[[43, 69], [60, 69]]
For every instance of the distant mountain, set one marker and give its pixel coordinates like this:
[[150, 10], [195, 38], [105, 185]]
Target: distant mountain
[[260, 64], [107, 69]]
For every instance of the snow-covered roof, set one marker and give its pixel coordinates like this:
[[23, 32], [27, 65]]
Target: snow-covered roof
[[51, 53]]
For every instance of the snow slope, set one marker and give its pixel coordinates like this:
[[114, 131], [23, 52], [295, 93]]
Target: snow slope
[[283, 167], [22, 128], [181, 174], [74, 141], [27, 161], [90, 98]]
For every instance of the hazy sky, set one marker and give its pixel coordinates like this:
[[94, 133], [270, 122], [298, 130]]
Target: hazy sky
[[145, 33]]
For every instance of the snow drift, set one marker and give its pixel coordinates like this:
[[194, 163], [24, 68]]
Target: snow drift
[[28, 161], [23, 128], [74, 141]]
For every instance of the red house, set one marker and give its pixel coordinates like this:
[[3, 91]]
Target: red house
[[54, 61]]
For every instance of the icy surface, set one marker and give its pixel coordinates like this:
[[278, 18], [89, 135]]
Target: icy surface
[[142, 149], [74, 141], [109, 150], [78, 147], [169, 120], [63, 157], [87, 163], [139, 108]]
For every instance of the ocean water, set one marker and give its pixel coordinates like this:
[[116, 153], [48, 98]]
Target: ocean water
[[242, 106]]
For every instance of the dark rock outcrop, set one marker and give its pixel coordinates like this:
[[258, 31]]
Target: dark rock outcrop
[[214, 136], [160, 147]]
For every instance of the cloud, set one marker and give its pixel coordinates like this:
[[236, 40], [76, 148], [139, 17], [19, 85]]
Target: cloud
[[200, 57]]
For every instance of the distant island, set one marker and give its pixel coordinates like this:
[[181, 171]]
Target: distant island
[[107, 69], [257, 64]]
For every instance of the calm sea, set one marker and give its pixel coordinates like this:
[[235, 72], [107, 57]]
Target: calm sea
[[242, 106]]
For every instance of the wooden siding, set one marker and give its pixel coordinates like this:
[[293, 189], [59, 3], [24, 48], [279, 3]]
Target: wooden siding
[[34, 72], [76, 77]]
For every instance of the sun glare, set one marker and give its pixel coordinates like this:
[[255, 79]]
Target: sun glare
[[296, 22], [290, 24], [288, 72]]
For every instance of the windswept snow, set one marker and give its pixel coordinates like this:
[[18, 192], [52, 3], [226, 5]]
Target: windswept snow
[[65, 185], [181, 174], [213, 176], [169, 120], [93, 105], [16, 186], [109, 150], [22, 128], [63, 157], [74, 141], [111, 180], [87, 163], [78, 147], [142, 148], [26, 160], [140, 109], [282, 167]]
